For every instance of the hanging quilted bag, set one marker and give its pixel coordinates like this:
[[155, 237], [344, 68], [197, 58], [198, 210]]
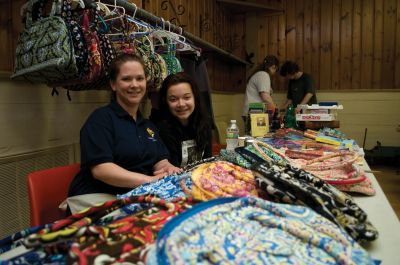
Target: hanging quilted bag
[[93, 70], [45, 51]]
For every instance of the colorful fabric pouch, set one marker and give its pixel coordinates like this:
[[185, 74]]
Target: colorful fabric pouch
[[250, 230], [107, 50], [320, 196], [167, 188], [93, 70], [221, 179], [289, 184], [173, 64], [126, 240], [340, 169], [94, 236], [78, 39], [155, 63]]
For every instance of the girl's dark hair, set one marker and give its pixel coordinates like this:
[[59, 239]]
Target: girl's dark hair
[[115, 66], [269, 61], [198, 121], [289, 68]]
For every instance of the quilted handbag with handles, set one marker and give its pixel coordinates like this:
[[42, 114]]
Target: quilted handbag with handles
[[101, 54], [94, 69], [45, 51]]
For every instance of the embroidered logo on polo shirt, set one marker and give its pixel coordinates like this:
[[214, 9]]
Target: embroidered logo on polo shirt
[[150, 132]]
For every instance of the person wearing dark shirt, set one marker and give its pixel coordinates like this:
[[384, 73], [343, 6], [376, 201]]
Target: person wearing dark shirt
[[300, 87], [120, 150], [185, 129]]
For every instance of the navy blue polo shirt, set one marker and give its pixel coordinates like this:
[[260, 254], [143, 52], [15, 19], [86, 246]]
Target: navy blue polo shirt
[[110, 134]]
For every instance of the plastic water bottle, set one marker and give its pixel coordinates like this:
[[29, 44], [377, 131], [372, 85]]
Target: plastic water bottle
[[232, 135], [290, 118]]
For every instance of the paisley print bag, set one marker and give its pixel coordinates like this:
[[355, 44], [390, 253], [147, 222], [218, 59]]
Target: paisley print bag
[[249, 230], [221, 179], [93, 70]]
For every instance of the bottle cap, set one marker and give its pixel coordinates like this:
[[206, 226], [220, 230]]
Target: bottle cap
[[248, 141], [233, 121]]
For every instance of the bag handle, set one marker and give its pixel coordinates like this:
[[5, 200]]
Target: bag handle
[[250, 157], [317, 163], [32, 4]]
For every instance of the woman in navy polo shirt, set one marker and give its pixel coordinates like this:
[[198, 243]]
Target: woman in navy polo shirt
[[185, 130], [119, 148]]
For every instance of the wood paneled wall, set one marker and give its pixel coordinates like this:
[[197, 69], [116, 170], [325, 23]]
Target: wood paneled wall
[[10, 27], [215, 24], [344, 44], [205, 19]]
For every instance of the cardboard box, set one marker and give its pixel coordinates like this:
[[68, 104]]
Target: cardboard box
[[259, 124], [257, 106], [316, 125], [316, 117]]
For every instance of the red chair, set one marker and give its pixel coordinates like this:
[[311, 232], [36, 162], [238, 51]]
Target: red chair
[[47, 189], [216, 147]]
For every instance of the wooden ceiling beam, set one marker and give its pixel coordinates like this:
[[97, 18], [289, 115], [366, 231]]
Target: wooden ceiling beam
[[244, 6]]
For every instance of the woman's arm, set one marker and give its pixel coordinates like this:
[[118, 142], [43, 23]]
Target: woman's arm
[[268, 99], [306, 98], [286, 105], [117, 176]]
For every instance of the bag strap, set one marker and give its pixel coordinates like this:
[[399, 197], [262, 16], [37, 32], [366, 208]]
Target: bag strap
[[353, 156], [249, 156], [66, 10], [349, 181]]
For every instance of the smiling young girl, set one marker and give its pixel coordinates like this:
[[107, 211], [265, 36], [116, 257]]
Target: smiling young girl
[[185, 129]]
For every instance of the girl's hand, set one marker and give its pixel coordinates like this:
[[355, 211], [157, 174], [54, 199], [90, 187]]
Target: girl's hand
[[168, 170]]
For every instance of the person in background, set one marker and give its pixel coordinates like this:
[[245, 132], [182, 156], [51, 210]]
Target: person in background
[[185, 129], [259, 88], [300, 87], [120, 150]]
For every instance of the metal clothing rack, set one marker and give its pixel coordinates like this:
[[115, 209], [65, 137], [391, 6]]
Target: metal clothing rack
[[153, 19]]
